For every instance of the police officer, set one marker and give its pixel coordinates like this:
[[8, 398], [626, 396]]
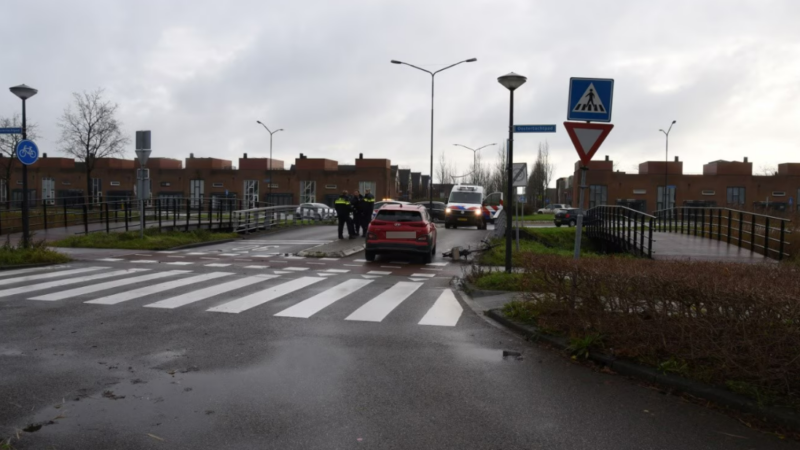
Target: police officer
[[367, 205], [355, 200], [343, 209]]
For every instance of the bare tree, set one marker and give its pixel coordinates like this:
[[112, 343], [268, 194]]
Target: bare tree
[[499, 173], [541, 176], [8, 149], [444, 171], [766, 171], [90, 130]]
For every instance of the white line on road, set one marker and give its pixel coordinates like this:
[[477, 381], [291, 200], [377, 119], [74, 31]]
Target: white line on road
[[379, 307], [429, 275], [202, 294], [315, 304], [73, 280], [429, 268], [445, 312], [197, 253], [437, 264], [110, 259], [378, 272], [8, 273], [217, 265], [156, 288], [43, 276], [359, 260], [206, 257], [175, 256], [230, 254], [256, 267], [296, 269], [145, 261], [391, 267], [354, 265], [316, 264], [267, 295], [180, 263], [337, 270], [107, 285], [329, 259]]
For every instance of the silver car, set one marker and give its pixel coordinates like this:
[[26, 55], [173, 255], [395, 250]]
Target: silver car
[[315, 211]]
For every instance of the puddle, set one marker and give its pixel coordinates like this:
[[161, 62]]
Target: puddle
[[483, 354], [8, 351]]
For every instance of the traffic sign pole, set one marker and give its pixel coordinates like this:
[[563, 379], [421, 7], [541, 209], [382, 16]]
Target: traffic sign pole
[[579, 222], [25, 219]]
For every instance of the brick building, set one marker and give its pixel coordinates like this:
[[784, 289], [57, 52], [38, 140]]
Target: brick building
[[722, 183], [62, 180]]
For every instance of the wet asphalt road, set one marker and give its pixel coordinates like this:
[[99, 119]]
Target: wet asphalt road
[[225, 372]]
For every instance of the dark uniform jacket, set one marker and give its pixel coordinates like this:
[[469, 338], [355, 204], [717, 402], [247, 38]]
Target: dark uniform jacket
[[367, 204], [343, 206]]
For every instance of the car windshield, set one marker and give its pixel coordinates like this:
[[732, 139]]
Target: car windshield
[[394, 215], [465, 197]]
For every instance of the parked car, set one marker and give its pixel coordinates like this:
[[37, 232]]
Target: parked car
[[552, 208], [569, 217], [315, 211], [382, 203], [402, 228], [438, 209]]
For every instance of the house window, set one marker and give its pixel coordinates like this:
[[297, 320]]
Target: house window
[[308, 191], [778, 193], [330, 186], [196, 192], [48, 190], [598, 195], [735, 196], [670, 198], [708, 192], [364, 185], [217, 185], [250, 195], [165, 184], [114, 183]]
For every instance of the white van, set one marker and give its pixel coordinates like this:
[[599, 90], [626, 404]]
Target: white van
[[468, 206]]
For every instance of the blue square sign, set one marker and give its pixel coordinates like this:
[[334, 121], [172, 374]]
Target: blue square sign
[[590, 99]]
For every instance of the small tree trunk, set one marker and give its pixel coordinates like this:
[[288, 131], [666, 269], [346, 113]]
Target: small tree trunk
[[88, 186]]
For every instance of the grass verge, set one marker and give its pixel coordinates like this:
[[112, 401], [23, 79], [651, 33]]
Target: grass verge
[[37, 253], [153, 239], [538, 241], [539, 217], [500, 281]]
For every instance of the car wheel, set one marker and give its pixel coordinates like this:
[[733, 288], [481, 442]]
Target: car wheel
[[454, 226], [369, 255], [558, 224], [572, 223], [446, 226], [427, 258], [539, 212]]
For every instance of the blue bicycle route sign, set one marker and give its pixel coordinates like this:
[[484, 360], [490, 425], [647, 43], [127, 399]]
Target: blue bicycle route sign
[[27, 152]]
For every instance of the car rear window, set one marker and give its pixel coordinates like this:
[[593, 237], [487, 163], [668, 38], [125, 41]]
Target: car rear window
[[394, 215]]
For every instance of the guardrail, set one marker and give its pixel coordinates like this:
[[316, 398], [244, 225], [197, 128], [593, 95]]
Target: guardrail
[[760, 233], [627, 229]]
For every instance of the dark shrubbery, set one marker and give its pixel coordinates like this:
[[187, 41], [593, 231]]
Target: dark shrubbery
[[732, 325]]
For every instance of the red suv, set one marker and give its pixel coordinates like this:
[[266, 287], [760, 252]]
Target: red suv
[[402, 228]]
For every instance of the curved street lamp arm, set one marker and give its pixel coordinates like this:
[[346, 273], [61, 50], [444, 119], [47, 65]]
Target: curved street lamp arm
[[487, 145], [418, 68], [451, 65]]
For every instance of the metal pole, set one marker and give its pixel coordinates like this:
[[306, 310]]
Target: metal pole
[[269, 193], [509, 179], [430, 191], [579, 225], [666, 176], [25, 224], [516, 207]]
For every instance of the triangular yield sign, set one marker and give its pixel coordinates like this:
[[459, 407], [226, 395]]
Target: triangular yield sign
[[587, 138]]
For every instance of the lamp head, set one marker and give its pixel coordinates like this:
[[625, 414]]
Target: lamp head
[[394, 61], [512, 80], [472, 59], [22, 91]]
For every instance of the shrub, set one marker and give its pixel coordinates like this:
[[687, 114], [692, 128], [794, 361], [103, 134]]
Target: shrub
[[730, 324]]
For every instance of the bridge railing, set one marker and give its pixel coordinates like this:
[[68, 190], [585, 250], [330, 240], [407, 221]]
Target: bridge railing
[[254, 219], [759, 233], [627, 229]]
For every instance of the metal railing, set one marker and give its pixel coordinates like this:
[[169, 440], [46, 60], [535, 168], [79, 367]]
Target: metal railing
[[760, 233], [254, 219], [626, 229]]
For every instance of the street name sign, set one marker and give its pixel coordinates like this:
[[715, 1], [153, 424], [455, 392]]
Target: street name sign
[[590, 99], [587, 138], [534, 128], [27, 152], [10, 130]]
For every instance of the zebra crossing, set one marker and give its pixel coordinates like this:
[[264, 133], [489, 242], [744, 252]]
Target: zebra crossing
[[234, 293]]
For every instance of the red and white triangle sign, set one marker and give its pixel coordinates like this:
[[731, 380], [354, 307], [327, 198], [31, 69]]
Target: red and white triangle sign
[[587, 137]]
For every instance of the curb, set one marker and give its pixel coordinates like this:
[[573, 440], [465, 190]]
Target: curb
[[311, 253], [30, 266], [202, 244], [723, 397]]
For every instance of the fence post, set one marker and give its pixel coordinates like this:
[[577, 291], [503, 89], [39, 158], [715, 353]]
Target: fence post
[[783, 234], [188, 212], [729, 226], [85, 220], [125, 209], [766, 237], [65, 214], [650, 239], [210, 213], [174, 213], [44, 210], [741, 228], [641, 240], [753, 234], [144, 215], [108, 228], [158, 209]]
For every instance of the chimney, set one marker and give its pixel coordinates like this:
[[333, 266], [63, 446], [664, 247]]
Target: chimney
[[191, 155], [360, 156], [44, 155], [245, 156], [302, 156], [745, 159], [606, 157], [676, 159]]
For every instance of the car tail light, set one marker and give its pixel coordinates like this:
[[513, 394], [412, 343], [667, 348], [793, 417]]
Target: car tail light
[[422, 238], [378, 222], [372, 236], [566, 215]]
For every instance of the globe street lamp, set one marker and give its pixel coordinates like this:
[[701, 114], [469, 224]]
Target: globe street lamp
[[666, 163], [269, 195], [24, 92], [511, 82], [432, 74], [474, 157]]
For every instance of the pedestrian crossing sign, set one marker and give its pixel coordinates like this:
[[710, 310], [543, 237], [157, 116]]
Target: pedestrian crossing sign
[[590, 99]]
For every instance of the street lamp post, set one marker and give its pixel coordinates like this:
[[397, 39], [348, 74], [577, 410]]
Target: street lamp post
[[24, 92], [666, 164], [269, 195], [433, 75], [511, 82], [474, 157]]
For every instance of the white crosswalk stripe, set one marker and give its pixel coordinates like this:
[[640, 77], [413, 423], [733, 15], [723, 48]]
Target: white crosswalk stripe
[[267, 295], [202, 294], [8, 273], [105, 286], [67, 281], [315, 304], [445, 312], [379, 307], [156, 288], [43, 276]]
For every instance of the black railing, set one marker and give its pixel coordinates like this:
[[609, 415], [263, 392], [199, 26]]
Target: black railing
[[626, 229], [759, 233]]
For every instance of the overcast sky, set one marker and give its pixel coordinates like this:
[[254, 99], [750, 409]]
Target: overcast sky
[[200, 73]]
